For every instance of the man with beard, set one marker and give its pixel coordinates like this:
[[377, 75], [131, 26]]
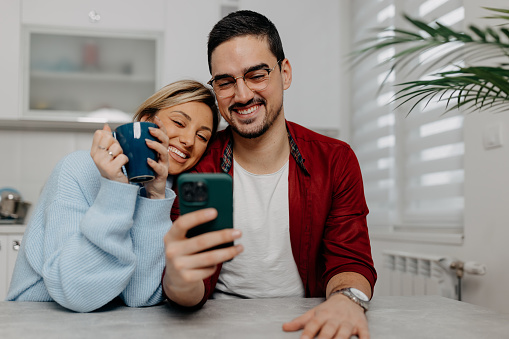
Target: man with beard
[[298, 198]]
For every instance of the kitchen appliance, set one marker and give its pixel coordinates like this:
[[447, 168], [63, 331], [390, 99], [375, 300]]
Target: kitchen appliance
[[13, 209]]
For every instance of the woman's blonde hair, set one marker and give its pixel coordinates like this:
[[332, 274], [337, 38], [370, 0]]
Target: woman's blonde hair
[[176, 93]]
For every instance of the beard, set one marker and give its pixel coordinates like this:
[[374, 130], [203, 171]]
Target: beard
[[258, 131]]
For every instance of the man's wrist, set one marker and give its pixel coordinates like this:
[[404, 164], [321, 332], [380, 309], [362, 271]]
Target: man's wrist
[[354, 295]]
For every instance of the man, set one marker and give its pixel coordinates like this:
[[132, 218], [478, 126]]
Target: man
[[298, 195]]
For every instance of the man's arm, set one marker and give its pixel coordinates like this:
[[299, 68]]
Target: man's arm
[[349, 279], [338, 316]]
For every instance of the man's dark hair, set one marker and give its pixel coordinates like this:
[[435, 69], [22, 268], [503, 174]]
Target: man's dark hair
[[241, 23]]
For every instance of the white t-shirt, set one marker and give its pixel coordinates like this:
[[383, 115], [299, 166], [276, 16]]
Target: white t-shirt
[[266, 268]]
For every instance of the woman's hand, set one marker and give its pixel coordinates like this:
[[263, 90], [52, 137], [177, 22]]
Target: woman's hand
[[108, 155], [155, 189]]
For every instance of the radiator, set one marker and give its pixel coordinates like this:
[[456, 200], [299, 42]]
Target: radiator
[[422, 274]]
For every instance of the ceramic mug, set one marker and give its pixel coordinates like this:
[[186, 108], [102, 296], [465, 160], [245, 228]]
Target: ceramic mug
[[131, 137]]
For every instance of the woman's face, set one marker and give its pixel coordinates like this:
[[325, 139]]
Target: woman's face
[[189, 127]]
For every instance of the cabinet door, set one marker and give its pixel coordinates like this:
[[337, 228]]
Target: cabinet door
[[4, 276], [147, 15], [10, 58], [13, 244], [85, 74]]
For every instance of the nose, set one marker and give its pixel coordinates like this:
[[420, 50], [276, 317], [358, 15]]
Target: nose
[[242, 92], [186, 138]]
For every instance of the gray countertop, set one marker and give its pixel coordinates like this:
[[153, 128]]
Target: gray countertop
[[389, 317]]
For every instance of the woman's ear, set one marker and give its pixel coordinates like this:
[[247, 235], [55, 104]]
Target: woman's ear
[[144, 118], [286, 73]]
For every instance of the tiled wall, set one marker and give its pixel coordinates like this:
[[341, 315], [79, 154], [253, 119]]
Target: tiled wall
[[28, 157]]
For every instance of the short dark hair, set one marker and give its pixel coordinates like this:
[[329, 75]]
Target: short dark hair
[[241, 23]]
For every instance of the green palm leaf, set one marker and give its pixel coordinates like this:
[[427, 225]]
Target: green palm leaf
[[468, 87]]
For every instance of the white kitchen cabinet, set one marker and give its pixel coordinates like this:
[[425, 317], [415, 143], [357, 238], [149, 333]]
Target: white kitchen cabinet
[[147, 15], [10, 58], [76, 73], [10, 240], [89, 60]]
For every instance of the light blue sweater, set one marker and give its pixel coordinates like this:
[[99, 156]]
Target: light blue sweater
[[90, 240]]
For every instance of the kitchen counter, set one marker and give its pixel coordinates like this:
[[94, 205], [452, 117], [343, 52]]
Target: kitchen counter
[[12, 228], [389, 317]]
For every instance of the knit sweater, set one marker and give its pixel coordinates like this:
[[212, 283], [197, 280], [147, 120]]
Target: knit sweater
[[91, 240]]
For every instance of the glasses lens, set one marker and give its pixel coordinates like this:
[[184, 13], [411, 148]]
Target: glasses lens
[[224, 87], [257, 80]]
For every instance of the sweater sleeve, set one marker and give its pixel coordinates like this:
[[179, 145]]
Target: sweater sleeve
[[78, 248], [151, 222]]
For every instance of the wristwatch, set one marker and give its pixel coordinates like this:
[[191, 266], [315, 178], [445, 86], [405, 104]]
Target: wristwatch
[[354, 295]]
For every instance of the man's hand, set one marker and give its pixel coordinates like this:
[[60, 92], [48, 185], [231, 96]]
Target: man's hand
[[337, 317], [186, 262]]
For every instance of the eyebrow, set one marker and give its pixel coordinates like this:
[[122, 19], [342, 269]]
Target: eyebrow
[[250, 69], [190, 119]]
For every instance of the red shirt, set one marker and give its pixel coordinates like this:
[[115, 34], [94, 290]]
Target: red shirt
[[328, 231]]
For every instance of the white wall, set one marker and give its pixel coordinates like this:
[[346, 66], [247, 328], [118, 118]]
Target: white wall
[[310, 31], [28, 157], [486, 230]]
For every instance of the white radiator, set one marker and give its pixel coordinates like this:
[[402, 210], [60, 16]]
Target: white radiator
[[422, 274]]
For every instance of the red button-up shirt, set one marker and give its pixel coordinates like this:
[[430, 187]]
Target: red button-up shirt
[[328, 231]]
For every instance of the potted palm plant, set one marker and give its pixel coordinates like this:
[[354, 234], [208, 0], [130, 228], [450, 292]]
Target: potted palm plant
[[466, 83]]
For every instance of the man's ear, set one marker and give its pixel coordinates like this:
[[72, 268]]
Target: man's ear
[[286, 73]]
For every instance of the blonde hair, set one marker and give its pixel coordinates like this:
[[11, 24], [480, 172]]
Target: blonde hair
[[176, 93]]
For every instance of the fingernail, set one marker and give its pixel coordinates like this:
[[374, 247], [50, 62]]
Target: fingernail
[[148, 140], [239, 248], [236, 234], [156, 117], [150, 160]]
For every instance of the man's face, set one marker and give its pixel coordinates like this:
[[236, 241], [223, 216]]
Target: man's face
[[250, 114]]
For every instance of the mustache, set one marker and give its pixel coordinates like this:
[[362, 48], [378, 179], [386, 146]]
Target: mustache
[[253, 101]]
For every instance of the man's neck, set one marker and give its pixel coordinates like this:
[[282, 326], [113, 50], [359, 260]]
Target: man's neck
[[265, 154]]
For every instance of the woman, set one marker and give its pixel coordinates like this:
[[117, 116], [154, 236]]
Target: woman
[[93, 236]]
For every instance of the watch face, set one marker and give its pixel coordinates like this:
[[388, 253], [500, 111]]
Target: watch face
[[359, 294]]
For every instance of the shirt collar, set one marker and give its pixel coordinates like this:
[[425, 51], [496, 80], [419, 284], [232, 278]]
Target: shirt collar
[[227, 159]]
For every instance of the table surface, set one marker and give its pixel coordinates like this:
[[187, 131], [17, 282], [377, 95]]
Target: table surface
[[389, 317]]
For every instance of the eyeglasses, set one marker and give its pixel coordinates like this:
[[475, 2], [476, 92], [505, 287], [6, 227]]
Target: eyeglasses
[[256, 80]]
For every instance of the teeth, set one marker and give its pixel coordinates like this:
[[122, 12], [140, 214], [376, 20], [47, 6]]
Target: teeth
[[177, 152], [247, 111]]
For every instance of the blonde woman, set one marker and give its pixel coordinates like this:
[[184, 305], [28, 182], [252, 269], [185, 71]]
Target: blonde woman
[[94, 236]]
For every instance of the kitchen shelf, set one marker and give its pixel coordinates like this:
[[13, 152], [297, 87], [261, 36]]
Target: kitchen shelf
[[87, 76], [57, 124]]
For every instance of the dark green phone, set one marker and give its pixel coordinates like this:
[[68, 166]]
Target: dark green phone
[[202, 190]]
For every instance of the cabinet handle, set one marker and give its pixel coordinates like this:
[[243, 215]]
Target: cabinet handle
[[15, 245], [94, 16]]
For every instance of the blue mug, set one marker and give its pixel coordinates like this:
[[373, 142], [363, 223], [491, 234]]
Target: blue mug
[[131, 138]]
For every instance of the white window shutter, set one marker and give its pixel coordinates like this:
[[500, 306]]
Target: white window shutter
[[412, 165]]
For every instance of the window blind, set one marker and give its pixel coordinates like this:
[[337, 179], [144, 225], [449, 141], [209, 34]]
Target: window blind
[[412, 164]]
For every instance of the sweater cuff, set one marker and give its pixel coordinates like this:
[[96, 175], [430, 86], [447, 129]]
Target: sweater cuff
[[114, 195]]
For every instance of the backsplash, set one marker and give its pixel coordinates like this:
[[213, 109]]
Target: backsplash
[[28, 157]]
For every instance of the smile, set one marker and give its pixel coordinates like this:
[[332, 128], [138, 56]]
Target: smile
[[177, 152], [248, 110]]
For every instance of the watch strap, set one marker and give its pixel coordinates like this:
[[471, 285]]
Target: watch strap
[[350, 295]]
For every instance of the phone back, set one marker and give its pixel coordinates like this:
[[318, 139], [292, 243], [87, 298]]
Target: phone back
[[202, 190]]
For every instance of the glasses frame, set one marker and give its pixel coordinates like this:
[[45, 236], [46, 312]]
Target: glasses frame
[[269, 70]]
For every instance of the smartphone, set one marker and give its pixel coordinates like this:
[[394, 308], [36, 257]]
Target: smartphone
[[202, 190]]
